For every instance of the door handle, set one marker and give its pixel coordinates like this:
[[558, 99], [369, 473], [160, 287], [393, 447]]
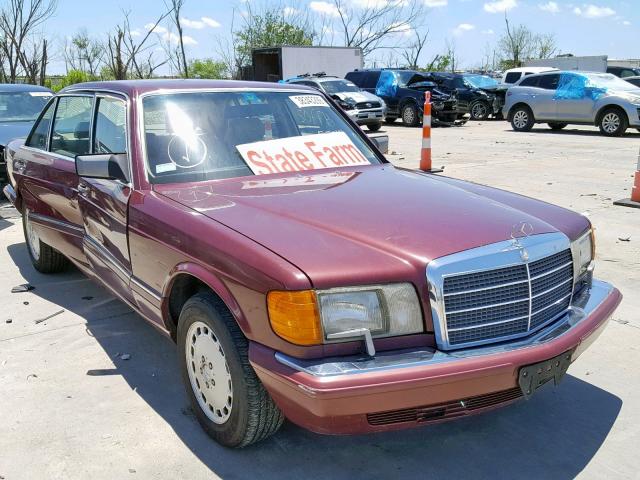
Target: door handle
[[83, 189]]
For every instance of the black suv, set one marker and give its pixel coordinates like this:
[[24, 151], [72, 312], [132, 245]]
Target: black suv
[[478, 95], [403, 92]]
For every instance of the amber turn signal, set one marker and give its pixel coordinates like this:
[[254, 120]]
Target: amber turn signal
[[294, 316]]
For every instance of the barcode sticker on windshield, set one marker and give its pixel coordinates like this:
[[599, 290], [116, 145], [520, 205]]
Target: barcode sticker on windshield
[[40, 94], [309, 101]]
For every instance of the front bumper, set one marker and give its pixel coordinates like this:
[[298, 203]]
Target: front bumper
[[395, 389], [367, 117]]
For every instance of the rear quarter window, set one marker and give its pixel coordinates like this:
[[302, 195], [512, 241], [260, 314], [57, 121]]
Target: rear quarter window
[[529, 82], [370, 80], [512, 77]]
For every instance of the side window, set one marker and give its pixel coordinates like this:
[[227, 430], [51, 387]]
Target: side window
[[370, 80], [355, 77], [110, 130], [529, 82], [71, 126], [549, 82], [625, 72], [39, 137], [512, 77]]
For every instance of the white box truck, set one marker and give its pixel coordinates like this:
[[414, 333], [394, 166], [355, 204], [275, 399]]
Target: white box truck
[[593, 63], [279, 63]]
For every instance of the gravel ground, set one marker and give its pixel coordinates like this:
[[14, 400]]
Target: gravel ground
[[74, 406]]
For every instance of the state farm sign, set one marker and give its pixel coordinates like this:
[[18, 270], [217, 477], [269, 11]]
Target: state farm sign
[[296, 154]]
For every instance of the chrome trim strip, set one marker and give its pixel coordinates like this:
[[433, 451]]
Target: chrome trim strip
[[560, 300], [145, 288], [459, 329], [552, 271], [530, 297], [107, 257], [485, 288], [55, 223], [586, 302], [552, 288], [493, 305]]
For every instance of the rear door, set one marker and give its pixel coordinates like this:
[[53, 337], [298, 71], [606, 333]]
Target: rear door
[[574, 100], [104, 203], [543, 102], [45, 172]]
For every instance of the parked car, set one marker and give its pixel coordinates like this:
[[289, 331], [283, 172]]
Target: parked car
[[478, 95], [512, 75], [562, 98], [403, 92], [363, 107], [624, 72], [20, 105], [633, 80], [300, 273]]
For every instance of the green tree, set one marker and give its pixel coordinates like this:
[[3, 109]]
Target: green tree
[[207, 68]]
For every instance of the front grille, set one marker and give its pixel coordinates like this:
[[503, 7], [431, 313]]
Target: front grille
[[365, 105], [493, 305], [445, 411]]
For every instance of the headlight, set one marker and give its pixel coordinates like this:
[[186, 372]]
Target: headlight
[[344, 314], [583, 252]]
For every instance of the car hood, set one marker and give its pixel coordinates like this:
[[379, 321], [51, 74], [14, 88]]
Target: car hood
[[11, 130], [357, 97], [373, 223]]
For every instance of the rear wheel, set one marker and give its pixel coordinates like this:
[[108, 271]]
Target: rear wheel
[[522, 119], [479, 110], [557, 125], [44, 257], [374, 127], [226, 396], [613, 122], [410, 116]]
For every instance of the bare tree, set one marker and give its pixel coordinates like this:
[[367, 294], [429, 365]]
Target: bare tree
[[19, 20], [546, 45], [451, 52], [369, 27], [128, 57], [412, 53], [84, 53], [516, 43], [175, 6]]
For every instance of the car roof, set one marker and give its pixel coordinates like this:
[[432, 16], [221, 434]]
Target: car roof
[[531, 69], [139, 87], [22, 87]]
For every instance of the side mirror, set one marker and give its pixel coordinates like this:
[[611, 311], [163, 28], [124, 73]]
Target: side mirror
[[106, 166], [382, 142]]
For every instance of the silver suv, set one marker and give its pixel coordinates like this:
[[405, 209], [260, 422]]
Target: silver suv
[[561, 98]]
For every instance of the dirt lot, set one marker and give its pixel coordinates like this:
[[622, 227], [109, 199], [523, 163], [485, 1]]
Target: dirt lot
[[72, 408]]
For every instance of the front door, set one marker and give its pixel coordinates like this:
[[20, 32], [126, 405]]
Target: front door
[[575, 99], [543, 101], [104, 203]]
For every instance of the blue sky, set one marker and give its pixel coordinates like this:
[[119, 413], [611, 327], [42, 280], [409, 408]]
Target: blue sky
[[599, 28]]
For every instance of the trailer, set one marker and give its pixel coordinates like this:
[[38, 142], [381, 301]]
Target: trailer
[[278, 63], [593, 63]]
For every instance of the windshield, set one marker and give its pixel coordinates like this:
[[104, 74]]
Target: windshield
[[22, 106], [480, 81], [200, 136], [607, 80], [338, 86]]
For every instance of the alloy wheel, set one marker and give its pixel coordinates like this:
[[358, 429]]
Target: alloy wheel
[[520, 119], [611, 122], [479, 110], [209, 372], [33, 239], [408, 115]]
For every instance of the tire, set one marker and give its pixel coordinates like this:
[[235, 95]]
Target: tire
[[557, 125], [375, 127], [522, 119], [243, 412], [479, 110], [390, 119], [410, 116], [613, 122], [44, 257]]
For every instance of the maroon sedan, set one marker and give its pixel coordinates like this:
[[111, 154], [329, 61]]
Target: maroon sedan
[[301, 274]]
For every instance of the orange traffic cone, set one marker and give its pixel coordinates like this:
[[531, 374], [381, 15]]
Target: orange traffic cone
[[634, 201], [425, 152]]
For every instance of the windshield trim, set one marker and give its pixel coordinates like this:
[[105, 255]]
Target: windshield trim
[[170, 91], [47, 97]]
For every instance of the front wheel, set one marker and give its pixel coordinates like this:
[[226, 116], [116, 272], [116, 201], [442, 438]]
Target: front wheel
[[613, 122], [226, 396], [410, 116], [44, 257], [374, 127], [557, 125], [479, 111], [522, 119]]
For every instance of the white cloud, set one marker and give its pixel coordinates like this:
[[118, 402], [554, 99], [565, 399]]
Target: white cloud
[[157, 29], [500, 6], [199, 24], [551, 7], [487, 32], [325, 8], [170, 36], [402, 28], [436, 3], [463, 27], [594, 11], [626, 23], [288, 11], [374, 4], [210, 22], [135, 33]]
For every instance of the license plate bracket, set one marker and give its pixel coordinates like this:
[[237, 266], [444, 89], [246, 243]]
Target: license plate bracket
[[532, 377]]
